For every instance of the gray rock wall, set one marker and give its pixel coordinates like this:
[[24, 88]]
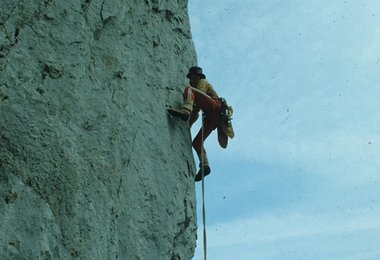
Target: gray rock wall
[[91, 167]]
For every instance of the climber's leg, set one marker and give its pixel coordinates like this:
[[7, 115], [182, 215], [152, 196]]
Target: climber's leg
[[205, 102], [187, 107], [208, 127], [192, 95]]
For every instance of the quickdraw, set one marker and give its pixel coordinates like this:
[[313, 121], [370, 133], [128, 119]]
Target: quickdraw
[[226, 111]]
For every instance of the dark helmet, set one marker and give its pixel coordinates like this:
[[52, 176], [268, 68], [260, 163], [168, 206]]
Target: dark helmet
[[196, 71]]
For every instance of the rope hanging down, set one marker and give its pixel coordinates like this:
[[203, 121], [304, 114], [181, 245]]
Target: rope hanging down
[[203, 197]]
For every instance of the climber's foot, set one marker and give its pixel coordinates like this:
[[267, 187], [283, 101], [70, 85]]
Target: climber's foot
[[206, 171], [180, 113]]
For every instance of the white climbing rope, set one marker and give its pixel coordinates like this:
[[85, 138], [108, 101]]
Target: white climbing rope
[[203, 197]]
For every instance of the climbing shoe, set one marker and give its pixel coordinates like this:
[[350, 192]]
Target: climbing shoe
[[206, 170], [181, 113]]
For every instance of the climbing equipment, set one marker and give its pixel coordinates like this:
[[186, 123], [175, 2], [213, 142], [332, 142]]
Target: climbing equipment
[[225, 128], [226, 111], [203, 198]]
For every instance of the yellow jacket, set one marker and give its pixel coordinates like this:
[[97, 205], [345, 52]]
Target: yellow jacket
[[207, 88]]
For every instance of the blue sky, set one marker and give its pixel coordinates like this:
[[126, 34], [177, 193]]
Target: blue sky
[[301, 180]]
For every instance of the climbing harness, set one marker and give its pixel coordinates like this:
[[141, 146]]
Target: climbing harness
[[226, 111], [203, 196]]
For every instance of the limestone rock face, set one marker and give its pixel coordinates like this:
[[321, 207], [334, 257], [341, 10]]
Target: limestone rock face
[[91, 166]]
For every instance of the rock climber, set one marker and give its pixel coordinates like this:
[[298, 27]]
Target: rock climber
[[200, 95]]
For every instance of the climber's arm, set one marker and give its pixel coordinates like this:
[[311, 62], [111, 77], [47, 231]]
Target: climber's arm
[[211, 91]]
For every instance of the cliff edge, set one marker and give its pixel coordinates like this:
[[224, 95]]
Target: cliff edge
[[91, 167]]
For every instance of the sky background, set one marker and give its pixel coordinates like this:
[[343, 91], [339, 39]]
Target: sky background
[[301, 179]]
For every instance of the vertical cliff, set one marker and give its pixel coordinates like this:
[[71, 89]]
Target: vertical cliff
[[91, 167]]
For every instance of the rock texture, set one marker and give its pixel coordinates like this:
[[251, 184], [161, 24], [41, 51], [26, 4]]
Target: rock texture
[[91, 167]]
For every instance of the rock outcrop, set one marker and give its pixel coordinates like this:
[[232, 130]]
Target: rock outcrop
[[91, 167]]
